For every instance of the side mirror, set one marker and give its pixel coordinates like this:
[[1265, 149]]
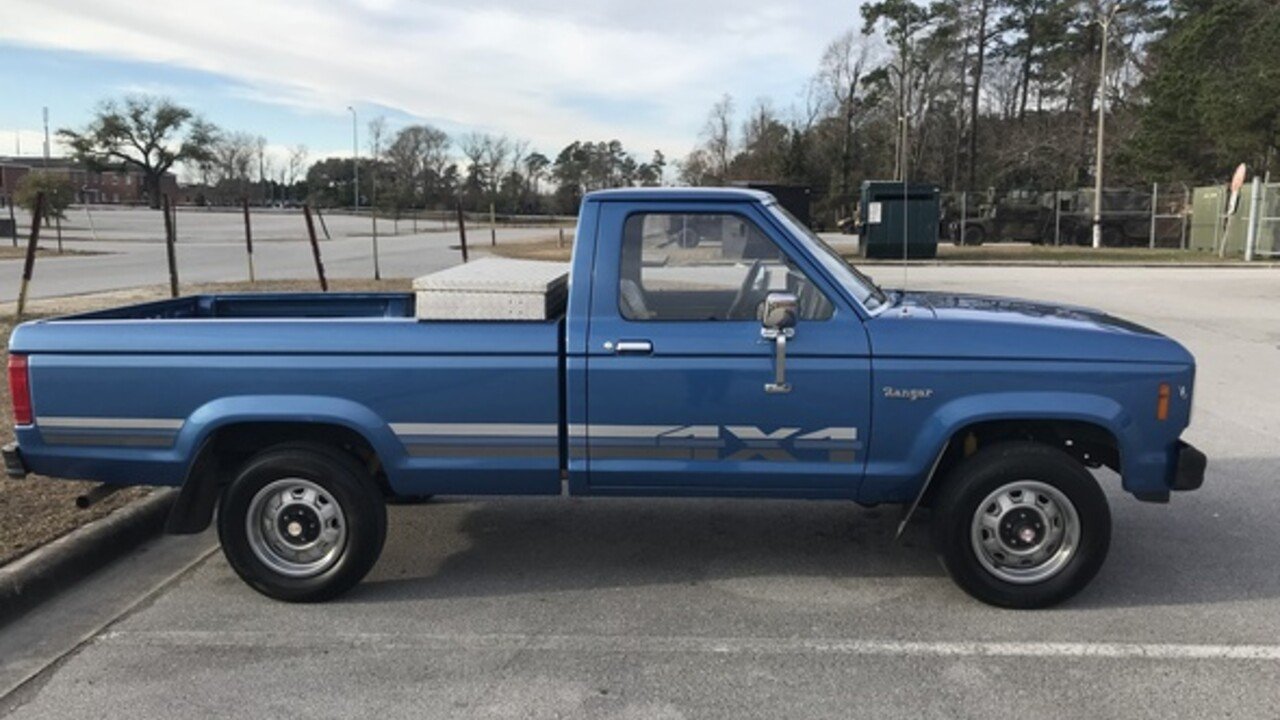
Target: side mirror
[[778, 318], [780, 311]]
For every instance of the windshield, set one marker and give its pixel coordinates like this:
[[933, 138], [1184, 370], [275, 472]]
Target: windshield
[[864, 291]]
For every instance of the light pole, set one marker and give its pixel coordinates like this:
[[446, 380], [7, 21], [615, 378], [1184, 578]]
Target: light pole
[[355, 161], [1105, 23]]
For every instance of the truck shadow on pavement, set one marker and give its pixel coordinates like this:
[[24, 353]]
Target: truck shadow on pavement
[[501, 547], [1216, 545]]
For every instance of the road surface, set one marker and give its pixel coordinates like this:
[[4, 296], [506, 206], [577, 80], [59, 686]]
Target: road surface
[[719, 609]]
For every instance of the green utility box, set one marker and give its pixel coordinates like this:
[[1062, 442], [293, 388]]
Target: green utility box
[[1208, 208], [892, 215]]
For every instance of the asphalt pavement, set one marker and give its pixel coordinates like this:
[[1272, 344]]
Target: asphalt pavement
[[589, 608]]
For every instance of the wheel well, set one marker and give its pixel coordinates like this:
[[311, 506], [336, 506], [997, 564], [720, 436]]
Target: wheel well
[[228, 447], [1093, 445]]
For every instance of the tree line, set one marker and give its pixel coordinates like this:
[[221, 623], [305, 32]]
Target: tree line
[[416, 167], [978, 94], [966, 94]]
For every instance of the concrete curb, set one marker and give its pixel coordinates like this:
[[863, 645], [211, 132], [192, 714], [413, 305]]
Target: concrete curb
[[35, 577]]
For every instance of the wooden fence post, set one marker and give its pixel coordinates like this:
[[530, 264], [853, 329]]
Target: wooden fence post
[[170, 239], [248, 238], [13, 223], [315, 247], [30, 263], [462, 231]]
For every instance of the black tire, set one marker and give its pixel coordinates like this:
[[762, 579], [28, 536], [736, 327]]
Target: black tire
[[1010, 465], [341, 481], [974, 236]]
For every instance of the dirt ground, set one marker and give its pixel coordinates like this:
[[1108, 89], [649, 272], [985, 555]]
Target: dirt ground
[[8, 252], [37, 510]]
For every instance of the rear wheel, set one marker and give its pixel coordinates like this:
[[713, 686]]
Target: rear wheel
[[1021, 525], [302, 523]]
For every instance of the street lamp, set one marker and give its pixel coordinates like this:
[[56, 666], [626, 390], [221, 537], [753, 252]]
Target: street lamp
[[355, 161], [1105, 23]]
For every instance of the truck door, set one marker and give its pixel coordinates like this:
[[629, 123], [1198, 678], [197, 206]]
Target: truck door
[[683, 392]]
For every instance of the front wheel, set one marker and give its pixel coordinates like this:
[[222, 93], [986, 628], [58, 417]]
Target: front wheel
[[302, 523], [1021, 525]]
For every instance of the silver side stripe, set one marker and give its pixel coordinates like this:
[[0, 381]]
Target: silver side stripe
[[109, 423], [534, 430]]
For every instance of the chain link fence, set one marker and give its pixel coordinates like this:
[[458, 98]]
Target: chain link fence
[[1154, 217]]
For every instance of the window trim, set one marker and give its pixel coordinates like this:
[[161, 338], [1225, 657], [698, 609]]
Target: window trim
[[763, 229]]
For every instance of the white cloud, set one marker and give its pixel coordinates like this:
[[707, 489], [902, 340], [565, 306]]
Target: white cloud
[[548, 70]]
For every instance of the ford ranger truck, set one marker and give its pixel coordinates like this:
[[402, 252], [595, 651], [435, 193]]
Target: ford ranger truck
[[710, 346]]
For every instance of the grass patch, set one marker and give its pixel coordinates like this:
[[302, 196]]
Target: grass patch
[[9, 252], [997, 253], [549, 250], [1051, 254]]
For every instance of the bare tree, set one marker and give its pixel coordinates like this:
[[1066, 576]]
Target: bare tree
[[296, 163], [719, 136], [840, 72]]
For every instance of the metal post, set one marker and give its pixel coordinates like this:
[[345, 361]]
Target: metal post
[[493, 227], [964, 214], [377, 268], [561, 242], [57, 222], [315, 247], [355, 160], [93, 229], [1102, 113], [1057, 218], [248, 240], [462, 231], [1186, 203], [169, 241], [1155, 189], [36, 216], [1251, 230], [13, 222]]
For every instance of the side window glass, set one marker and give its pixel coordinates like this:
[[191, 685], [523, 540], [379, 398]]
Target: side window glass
[[706, 267]]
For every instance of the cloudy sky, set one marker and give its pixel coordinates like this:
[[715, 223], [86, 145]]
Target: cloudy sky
[[549, 71]]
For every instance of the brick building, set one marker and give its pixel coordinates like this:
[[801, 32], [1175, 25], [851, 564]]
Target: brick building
[[114, 187]]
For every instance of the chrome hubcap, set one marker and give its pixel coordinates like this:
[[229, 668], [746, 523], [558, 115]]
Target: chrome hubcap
[[296, 528], [1025, 532]]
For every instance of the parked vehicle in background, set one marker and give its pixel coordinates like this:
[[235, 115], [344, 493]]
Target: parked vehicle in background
[[1031, 217], [1017, 216], [709, 345]]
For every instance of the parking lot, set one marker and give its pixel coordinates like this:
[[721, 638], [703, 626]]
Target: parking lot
[[688, 608]]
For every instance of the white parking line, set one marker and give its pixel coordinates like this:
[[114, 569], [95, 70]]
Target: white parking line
[[772, 646]]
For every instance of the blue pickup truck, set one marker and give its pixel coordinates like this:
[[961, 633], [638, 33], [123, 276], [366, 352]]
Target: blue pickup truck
[[710, 345]]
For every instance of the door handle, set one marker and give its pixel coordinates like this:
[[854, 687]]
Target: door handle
[[630, 347]]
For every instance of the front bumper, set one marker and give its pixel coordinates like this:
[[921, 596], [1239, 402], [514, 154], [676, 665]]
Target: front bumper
[[14, 466], [1188, 474]]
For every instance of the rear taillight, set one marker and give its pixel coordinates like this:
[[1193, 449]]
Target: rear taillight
[[20, 389]]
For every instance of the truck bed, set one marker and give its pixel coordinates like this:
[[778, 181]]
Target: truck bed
[[128, 395], [264, 306]]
